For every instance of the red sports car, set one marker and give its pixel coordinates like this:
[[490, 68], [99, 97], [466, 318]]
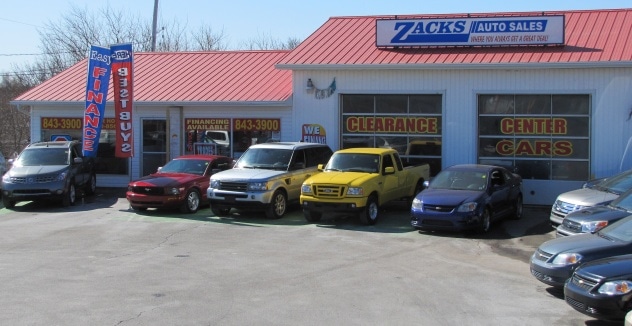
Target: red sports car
[[181, 183]]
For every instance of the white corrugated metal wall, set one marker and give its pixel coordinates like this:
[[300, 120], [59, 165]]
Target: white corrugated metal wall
[[610, 90]]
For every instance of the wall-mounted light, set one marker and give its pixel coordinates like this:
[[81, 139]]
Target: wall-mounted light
[[310, 85]]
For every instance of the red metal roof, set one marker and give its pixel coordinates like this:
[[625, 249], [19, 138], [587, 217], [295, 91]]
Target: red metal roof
[[591, 36], [177, 77]]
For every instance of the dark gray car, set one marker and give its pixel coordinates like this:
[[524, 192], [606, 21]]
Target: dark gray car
[[555, 260], [49, 171]]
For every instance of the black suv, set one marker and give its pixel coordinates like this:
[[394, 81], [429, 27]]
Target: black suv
[[49, 170]]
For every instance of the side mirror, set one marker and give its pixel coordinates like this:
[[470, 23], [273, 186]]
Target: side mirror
[[389, 170], [426, 184], [77, 160], [321, 167]]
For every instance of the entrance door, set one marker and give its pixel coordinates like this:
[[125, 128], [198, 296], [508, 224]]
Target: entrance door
[[154, 148]]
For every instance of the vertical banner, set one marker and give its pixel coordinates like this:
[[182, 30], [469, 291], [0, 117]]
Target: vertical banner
[[96, 98], [122, 76]]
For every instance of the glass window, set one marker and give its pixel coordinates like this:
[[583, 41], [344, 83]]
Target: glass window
[[540, 136], [410, 124]]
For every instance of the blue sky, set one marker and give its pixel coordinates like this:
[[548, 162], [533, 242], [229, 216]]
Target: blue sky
[[244, 20]]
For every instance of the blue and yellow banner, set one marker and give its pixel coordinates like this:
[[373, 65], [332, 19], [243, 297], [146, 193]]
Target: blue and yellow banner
[[96, 97]]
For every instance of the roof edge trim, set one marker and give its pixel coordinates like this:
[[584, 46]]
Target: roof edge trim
[[456, 66]]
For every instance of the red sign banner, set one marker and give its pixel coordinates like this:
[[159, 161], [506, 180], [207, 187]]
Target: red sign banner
[[122, 76]]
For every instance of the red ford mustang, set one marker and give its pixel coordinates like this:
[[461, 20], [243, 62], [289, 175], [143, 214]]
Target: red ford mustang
[[181, 183]]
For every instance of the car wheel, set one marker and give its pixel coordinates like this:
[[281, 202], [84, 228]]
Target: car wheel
[[312, 217], [517, 214], [70, 197], [485, 221], [276, 209], [138, 208], [191, 202], [91, 186], [220, 211], [368, 216], [8, 203]]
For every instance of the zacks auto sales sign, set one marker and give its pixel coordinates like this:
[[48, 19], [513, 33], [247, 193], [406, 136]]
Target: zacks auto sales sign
[[103, 62]]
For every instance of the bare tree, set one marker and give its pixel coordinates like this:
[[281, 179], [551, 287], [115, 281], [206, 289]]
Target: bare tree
[[267, 42], [15, 122]]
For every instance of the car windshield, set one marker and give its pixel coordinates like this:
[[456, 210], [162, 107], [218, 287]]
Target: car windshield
[[265, 158], [623, 202], [620, 230], [43, 156], [197, 167], [460, 180], [354, 162], [617, 184]]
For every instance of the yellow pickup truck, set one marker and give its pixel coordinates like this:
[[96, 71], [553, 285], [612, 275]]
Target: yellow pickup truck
[[359, 181]]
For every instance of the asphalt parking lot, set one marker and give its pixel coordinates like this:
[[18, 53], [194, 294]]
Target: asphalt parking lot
[[100, 263]]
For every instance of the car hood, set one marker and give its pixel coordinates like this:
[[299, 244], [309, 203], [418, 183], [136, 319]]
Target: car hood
[[23, 171], [337, 177], [587, 197], [581, 243], [612, 267], [164, 180], [249, 175], [447, 197], [597, 213]]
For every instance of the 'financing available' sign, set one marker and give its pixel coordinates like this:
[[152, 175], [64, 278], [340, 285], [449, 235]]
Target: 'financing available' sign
[[487, 31]]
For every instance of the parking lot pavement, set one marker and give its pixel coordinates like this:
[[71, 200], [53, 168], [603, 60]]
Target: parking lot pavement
[[100, 263]]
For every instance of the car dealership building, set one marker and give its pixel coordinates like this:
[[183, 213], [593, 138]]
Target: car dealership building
[[548, 94]]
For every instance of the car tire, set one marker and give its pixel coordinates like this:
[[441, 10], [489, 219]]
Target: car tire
[[138, 208], [220, 211], [517, 213], [70, 197], [368, 216], [91, 186], [191, 202], [277, 207], [312, 217], [8, 203], [485, 222]]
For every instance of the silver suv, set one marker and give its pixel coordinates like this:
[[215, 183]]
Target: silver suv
[[266, 177], [592, 193], [49, 170]]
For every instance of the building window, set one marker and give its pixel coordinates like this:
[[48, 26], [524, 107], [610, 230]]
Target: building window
[[61, 128], [540, 136], [229, 136], [411, 124]]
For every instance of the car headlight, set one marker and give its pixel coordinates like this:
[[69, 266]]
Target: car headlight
[[306, 189], [258, 186], [6, 178], [468, 207], [616, 288], [594, 226], [62, 176], [418, 204], [214, 184], [173, 191], [355, 191], [567, 259]]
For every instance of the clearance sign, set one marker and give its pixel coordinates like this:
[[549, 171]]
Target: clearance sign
[[403, 125]]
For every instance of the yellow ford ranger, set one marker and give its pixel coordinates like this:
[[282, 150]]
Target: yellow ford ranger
[[359, 181]]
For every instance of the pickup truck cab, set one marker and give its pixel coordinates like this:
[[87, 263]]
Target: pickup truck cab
[[266, 177], [53, 170], [359, 181]]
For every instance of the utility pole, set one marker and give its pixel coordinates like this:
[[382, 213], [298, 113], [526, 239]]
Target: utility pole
[[154, 27]]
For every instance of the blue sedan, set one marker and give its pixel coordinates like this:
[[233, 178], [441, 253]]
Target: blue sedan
[[467, 197]]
